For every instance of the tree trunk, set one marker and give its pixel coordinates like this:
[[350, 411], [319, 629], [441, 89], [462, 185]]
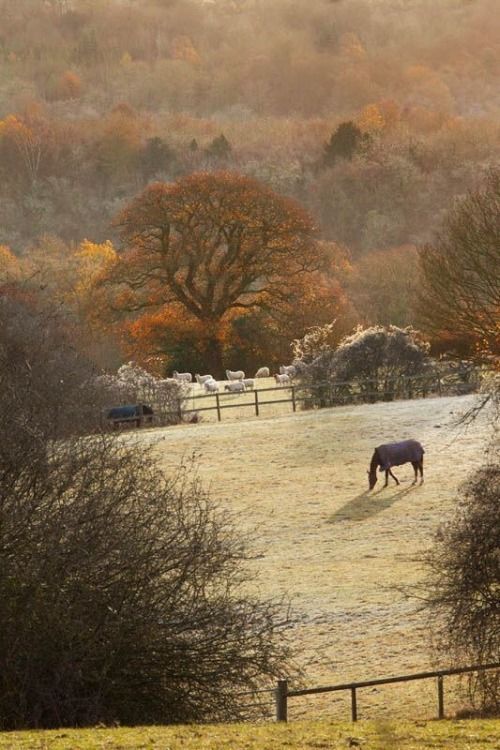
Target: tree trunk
[[213, 358]]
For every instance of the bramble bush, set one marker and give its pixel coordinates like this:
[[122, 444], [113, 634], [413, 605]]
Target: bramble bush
[[123, 590], [464, 581]]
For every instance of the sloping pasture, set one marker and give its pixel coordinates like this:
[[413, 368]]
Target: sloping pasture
[[298, 484]]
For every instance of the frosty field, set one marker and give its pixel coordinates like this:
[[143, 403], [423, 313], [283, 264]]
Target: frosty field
[[298, 483]]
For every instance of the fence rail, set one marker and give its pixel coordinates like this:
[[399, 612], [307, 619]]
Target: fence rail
[[282, 694], [305, 395], [328, 394]]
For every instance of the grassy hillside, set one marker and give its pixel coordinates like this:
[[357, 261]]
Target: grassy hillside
[[464, 735], [297, 484]]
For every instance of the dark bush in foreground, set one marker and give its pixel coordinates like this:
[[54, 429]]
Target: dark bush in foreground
[[121, 597], [464, 584], [121, 590]]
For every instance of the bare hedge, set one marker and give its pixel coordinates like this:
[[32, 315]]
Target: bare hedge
[[123, 590]]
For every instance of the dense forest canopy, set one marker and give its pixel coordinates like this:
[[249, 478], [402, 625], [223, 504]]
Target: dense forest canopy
[[279, 58], [374, 114]]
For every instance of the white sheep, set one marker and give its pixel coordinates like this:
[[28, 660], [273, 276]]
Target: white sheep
[[202, 379], [262, 372], [235, 387], [183, 376], [248, 383], [282, 379], [236, 375], [211, 386], [289, 370]]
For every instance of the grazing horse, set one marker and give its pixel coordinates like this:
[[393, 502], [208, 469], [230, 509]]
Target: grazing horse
[[396, 454]]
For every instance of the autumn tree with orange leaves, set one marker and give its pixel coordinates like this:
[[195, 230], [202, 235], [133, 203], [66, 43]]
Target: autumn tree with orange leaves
[[214, 245]]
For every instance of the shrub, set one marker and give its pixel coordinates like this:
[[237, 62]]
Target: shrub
[[316, 341], [373, 362], [464, 581], [122, 589], [121, 596]]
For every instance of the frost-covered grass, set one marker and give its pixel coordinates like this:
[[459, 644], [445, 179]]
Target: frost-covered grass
[[298, 483], [241, 406]]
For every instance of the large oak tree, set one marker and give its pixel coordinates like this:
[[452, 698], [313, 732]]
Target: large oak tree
[[216, 244]]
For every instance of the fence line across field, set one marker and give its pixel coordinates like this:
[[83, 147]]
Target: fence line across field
[[282, 694], [409, 386]]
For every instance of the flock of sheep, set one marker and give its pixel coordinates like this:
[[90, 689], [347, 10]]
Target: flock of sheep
[[236, 380]]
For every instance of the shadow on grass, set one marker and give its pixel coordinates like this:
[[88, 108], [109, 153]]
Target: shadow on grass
[[370, 503]]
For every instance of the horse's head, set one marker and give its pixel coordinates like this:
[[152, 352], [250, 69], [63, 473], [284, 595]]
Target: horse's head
[[372, 478]]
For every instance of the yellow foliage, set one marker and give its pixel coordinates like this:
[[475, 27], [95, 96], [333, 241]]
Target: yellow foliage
[[13, 127], [102, 253], [371, 120], [10, 268], [92, 259], [390, 113]]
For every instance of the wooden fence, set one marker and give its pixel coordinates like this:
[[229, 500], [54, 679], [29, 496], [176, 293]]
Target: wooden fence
[[282, 694], [321, 395]]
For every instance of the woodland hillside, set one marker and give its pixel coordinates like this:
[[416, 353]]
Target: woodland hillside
[[374, 115]]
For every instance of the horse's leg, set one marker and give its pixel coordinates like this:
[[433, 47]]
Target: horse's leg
[[415, 465], [386, 477], [392, 475], [421, 467]]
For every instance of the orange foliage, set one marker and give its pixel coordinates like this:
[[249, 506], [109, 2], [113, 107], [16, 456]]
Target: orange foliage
[[154, 334], [10, 268], [184, 49], [217, 246], [382, 115], [370, 120], [69, 86]]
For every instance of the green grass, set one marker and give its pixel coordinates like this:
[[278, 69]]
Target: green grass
[[369, 735]]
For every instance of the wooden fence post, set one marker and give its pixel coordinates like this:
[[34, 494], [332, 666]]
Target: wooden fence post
[[256, 396], [217, 403], [281, 693], [440, 687], [294, 405], [354, 705]]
